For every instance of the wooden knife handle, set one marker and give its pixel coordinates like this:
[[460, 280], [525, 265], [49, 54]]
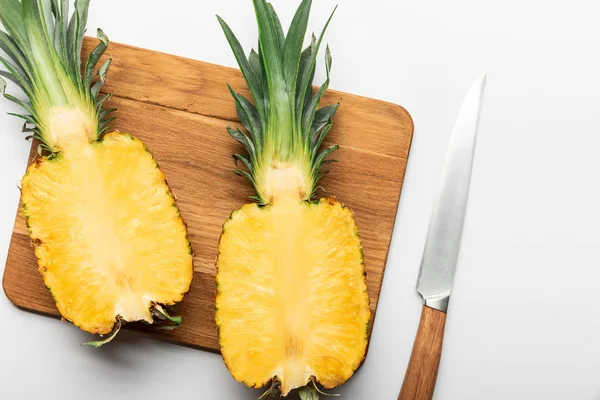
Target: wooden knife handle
[[421, 374]]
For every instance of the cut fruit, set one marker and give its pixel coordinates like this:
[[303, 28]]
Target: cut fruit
[[110, 242], [292, 303], [292, 299]]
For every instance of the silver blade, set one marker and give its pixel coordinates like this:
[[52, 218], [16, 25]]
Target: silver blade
[[445, 229]]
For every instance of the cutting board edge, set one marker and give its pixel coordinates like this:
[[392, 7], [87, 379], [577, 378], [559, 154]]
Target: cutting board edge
[[389, 244], [330, 91], [5, 286], [132, 327]]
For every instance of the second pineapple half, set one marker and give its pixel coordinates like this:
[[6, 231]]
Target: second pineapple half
[[292, 302]]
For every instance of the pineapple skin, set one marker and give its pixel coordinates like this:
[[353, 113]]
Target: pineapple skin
[[97, 286], [293, 353]]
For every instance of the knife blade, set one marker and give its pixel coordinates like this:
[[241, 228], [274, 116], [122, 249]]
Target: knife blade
[[442, 247]]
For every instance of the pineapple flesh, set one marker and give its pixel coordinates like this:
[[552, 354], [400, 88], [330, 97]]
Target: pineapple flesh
[[292, 302], [108, 236]]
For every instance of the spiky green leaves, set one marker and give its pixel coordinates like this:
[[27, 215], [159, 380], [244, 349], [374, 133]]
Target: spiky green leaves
[[285, 124], [43, 48]]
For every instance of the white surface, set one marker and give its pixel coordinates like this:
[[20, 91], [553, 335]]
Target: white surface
[[523, 321]]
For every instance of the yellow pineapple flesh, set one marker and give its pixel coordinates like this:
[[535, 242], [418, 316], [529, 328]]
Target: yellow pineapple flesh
[[107, 233], [292, 300]]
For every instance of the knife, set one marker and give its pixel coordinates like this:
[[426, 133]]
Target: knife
[[442, 246]]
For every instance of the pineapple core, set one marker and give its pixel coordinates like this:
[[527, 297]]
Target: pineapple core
[[285, 180], [70, 127], [292, 300]]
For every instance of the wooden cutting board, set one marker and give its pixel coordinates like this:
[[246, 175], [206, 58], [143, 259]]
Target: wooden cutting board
[[180, 108]]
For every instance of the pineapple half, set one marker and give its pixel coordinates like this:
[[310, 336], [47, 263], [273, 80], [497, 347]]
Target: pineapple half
[[292, 303], [110, 242]]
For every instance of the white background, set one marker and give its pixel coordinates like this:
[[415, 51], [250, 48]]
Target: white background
[[523, 320]]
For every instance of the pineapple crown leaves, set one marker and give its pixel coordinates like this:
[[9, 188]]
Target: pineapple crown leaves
[[43, 47], [285, 121]]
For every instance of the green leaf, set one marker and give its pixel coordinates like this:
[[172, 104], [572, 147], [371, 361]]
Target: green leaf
[[11, 78], [16, 75], [327, 162], [29, 118], [64, 28], [278, 28], [249, 117], [25, 129], [100, 103], [35, 21], [75, 33], [104, 130], [309, 113], [256, 65], [46, 64], [293, 44], [94, 57], [57, 37], [268, 35], [104, 113], [308, 393], [41, 147], [56, 9], [95, 89], [253, 81], [107, 120], [319, 137], [12, 20], [109, 339], [45, 9], [322, 119], [162, 314], [243, 160], [243, 139], [81, 8], [245, 174], [328, 60], [8, 45], [7, 96], [306, 72], [102, 72], [302, 100], [322, 155], [257, 199], [311, 108]]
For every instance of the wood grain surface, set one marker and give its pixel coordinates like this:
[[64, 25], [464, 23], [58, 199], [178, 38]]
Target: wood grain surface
[[180, 108], [422, 371]]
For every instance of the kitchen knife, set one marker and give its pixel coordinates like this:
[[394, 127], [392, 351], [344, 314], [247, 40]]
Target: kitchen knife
[[441, 249]]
